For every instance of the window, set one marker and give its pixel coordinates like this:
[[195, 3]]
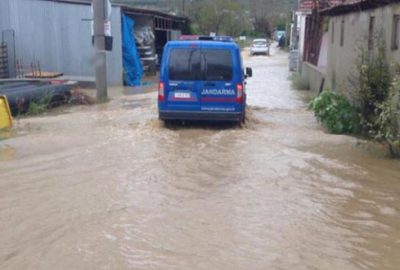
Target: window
[[371, 33], [260, 43], [395, 32], [342, 33], [185, 65], [218, 65], [195, 64], [333, 32]]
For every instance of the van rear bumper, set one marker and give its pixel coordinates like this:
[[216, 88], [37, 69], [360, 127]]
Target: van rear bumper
[[208, 116]]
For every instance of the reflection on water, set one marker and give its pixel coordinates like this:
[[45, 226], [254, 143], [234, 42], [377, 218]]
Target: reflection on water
[[111, 187]]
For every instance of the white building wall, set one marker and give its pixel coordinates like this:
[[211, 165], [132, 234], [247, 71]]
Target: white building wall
[[302, 26], [342, 59]]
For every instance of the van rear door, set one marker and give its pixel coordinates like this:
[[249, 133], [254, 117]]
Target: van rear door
[[218, 90], [185, 76]]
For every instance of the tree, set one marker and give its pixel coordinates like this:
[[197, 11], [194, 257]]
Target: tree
[[234, 17], [223, 17], [263, 25]]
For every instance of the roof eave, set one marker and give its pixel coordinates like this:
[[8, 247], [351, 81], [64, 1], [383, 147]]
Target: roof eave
[[356, 7], [149, 12], [128, 8]]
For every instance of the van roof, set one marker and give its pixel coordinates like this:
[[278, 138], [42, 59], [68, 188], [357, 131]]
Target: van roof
[[203, 44]]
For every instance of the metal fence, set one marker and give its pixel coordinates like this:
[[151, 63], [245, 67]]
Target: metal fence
[[8, 38], [3, 61]]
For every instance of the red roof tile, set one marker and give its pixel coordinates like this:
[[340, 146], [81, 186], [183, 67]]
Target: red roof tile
[[323, 4], [350, 6]]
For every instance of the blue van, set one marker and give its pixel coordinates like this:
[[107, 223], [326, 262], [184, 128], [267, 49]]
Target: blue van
[[202, 80]]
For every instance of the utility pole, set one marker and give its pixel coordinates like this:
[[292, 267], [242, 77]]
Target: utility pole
[[99, 13]]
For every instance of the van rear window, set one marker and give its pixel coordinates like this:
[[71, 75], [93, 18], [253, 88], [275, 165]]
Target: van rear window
[[205, 64], [260, 43], [218, 65], [185, 65]]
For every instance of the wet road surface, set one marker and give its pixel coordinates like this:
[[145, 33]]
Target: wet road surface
[[109, 187]]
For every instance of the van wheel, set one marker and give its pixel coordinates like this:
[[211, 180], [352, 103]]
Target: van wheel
[[243, 120]]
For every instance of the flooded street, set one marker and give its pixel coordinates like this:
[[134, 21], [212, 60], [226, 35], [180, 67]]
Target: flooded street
[[109, 187]]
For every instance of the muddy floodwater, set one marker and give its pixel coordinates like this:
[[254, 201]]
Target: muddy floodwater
[[110, 187]]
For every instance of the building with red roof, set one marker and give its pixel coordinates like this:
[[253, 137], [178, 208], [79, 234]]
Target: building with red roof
[[334, 34]]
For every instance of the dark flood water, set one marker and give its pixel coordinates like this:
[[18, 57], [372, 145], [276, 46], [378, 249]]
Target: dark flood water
[[110, 187]]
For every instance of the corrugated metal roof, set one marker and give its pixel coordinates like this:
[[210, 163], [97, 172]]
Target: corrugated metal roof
[[85, 2], [351, 6], [126, 7]]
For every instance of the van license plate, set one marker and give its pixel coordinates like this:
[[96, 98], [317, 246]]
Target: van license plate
[[182, 95]]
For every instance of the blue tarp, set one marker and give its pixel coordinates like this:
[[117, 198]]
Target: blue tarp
[[133, 69]]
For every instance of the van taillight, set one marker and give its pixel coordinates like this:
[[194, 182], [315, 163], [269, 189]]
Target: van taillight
[[161, 94], [239, 92]]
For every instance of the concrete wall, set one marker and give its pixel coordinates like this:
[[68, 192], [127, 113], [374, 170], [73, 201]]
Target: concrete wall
[[59, 36], [341, 59], [313, 75]]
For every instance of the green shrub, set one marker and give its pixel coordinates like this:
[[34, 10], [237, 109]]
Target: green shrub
[[377, 95], [375, 112], [336, 113], [372, 86], [41, 105], [384, 125], [244, 43]]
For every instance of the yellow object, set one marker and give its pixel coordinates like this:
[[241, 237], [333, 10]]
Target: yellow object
[[5, 113]]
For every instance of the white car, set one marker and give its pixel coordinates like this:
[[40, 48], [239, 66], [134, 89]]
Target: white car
[[259, 46]]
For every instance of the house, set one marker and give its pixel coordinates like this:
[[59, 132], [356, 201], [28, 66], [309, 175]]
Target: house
[[309, 27], [328, 59], [312, 45], [57, 34], [357, 24]]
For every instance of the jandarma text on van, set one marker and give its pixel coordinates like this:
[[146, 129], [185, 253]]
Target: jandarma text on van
[[218, 92]]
